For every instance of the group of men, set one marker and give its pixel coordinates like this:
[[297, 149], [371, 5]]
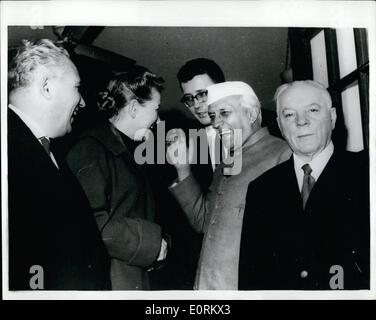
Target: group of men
[[295, 216]]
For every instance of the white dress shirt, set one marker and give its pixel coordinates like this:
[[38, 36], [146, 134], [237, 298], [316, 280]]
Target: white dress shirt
[[34, 128], [211, 134], [317, 164]]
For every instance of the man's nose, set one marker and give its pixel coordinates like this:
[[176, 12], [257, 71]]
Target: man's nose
[[216, 122], [82, 103], [301, 119], [198, 104]]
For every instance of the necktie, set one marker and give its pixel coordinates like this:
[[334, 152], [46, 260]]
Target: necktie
[[46, 144], [308, 182]]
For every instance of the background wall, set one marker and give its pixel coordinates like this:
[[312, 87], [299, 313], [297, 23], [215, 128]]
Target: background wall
[[253, 55]]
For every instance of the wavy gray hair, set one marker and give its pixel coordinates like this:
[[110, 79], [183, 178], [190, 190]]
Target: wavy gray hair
[[29, 57]]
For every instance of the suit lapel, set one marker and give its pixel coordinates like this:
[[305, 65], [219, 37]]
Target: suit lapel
[[324, 185], [22, 136], [292, 192]]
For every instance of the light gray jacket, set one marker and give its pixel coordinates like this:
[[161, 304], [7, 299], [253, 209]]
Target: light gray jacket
[[219, 213]]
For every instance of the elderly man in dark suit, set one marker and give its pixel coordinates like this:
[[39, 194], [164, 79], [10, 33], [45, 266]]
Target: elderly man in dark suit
[[306, 222], [235, 113], [54, 242]]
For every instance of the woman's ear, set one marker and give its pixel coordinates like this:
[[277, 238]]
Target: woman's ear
[[133, 108]]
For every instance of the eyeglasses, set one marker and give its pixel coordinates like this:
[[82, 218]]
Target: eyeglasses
[[189, 100]]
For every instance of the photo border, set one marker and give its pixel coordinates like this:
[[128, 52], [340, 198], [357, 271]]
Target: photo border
[[331, 14]]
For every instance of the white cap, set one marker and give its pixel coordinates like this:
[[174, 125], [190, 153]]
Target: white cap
[[229, 88]]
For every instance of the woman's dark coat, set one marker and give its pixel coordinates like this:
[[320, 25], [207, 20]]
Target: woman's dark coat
[[121, 200]]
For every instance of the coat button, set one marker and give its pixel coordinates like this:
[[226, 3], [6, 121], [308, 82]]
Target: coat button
[[304, 274]]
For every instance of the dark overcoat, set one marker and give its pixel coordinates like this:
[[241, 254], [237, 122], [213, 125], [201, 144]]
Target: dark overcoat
[[121, 200]]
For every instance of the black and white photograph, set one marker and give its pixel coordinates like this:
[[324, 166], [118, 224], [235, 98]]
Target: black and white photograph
[[188, 150]]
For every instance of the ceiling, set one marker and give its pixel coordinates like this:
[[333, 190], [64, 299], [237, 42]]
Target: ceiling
[[254, 55]]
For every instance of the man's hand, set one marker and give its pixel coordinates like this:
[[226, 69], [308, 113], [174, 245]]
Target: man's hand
[[163, 252], [178, 154]]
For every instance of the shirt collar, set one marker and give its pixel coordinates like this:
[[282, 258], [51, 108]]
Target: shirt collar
[[210, 131], [318, 163], [30, 123]]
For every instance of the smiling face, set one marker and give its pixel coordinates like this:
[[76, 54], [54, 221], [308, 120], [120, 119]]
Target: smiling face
[[305, 119], [194, 86], [66, 97], [227, 115]]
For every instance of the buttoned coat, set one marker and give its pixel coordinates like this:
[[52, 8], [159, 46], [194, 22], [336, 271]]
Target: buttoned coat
[[122, 203], [286, 247], [50, 221], [219, 213]]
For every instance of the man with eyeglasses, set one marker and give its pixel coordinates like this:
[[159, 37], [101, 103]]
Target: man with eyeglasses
[[194, 77]]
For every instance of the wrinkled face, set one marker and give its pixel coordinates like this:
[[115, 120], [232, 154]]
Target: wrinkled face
[[147, 113], [305, 120], [194, 86], [66, 97], [227, 115]]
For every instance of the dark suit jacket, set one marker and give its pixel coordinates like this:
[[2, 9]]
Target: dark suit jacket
[[286, 247], [50, 223]]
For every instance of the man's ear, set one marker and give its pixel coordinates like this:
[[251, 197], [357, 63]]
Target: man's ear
[[253, 114], [133, 108], [333, 116], [45, 87]]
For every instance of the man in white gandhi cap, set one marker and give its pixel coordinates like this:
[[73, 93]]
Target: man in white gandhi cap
[[233, 108]]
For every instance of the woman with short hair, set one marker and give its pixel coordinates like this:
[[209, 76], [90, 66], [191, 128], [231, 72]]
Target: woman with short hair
[[116, 186]]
